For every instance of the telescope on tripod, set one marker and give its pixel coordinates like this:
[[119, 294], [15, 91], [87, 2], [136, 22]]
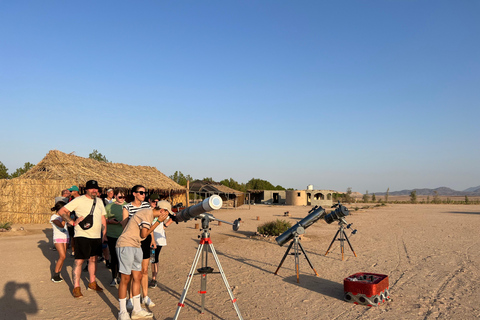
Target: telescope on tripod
[[199, 211], [339, 215]]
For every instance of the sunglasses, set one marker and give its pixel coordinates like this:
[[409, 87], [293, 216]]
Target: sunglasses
[[121, 197], [141, 192]]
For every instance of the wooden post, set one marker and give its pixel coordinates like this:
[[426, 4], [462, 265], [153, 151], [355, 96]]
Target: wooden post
[[188, 194]]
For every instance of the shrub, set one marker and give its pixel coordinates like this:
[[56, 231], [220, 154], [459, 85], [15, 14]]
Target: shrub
[[5, 225], [274, 228]]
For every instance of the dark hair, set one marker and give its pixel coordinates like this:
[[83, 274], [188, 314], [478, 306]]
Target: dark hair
[[119, 190], [138, 186], [59, 205]]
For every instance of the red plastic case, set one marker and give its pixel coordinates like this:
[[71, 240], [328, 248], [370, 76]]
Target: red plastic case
[[370, 289]]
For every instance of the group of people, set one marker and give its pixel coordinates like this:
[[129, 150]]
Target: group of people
[[131, 231]]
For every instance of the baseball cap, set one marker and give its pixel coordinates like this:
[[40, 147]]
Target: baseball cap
[[74, 188], [163, 204]]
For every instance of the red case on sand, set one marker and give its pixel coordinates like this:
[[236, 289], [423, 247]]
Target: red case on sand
[[370, 289]]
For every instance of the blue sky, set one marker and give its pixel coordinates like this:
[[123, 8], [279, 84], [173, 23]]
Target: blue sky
[[363, 94]]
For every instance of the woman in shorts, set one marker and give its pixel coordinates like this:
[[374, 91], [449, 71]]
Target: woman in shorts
[[60, 239]]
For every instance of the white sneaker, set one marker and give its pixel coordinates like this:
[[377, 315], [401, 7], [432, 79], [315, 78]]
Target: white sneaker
[[113, 283], [123, 316], [141, 314], [129, 304], [148, 302]]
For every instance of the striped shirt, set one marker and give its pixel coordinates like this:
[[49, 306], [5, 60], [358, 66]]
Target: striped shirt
[[132, 209]]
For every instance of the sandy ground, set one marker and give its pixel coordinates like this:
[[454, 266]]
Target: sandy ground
[[430, 253]]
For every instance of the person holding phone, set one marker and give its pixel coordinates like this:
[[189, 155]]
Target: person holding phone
[[114, 230]]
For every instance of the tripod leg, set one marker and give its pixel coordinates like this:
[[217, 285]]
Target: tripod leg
[[284, 256], [203, 279], [342, 245], [232, 298], [331, 243], [308, 260], [295, 250], [351, 248], [189, 281]]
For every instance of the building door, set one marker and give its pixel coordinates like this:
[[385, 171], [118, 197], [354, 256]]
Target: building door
[[275, 197]]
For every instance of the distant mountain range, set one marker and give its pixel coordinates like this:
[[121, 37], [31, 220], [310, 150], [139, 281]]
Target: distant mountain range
[[442, 191]]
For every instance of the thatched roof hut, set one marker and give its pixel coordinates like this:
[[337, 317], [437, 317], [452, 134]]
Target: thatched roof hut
[[29, 197], [231, 197]]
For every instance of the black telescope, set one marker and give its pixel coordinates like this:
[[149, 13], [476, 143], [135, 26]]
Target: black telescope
[[338, 214], [314, 215], [211, 203]]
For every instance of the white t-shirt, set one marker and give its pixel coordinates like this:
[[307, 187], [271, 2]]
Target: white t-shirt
[[82, 207], [58, 233], [159, 234]]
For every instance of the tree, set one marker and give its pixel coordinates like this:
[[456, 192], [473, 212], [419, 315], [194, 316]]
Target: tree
[[233, 184], [413, 196], [95, 155], [374, 199], [366, 197], [466, 200], [208, 179], [27, 166], [386, 195], [436, 198], [3, 171], [180, 178], [259, 184], [348, 195]]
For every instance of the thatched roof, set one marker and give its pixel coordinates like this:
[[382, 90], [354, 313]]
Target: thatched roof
[[214, 187], [61, 166]]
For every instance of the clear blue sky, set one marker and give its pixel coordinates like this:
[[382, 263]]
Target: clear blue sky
[[363, 94]]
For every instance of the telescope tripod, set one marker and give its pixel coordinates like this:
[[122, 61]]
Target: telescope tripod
[[205, 245], [296, 245], [342, 239]]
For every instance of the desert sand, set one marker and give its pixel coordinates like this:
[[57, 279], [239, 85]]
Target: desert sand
[[429, 252]]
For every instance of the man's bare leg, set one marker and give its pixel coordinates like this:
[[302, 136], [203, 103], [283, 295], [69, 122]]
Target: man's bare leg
[[76, 272], [92, 268]]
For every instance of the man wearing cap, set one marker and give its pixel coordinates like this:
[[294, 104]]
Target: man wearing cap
[[130, 256], [74, 192], [88, 243]]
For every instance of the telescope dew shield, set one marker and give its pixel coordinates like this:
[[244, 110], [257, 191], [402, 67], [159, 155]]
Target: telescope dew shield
[[304, 223], [211, 203]]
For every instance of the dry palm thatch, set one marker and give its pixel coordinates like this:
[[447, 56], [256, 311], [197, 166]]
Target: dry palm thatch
[[29, 197], [61, 166]]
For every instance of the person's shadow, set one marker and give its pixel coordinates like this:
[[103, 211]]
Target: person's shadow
[[13, 308]]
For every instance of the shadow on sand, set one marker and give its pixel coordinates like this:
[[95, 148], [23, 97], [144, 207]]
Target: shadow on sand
[[464, 212], [322, 286], [13, 308]]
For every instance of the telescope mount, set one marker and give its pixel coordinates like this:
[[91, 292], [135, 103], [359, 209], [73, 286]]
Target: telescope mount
[[296, 245], [343, 237]]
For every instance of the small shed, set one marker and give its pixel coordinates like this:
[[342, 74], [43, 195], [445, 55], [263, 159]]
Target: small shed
[[231, 197]]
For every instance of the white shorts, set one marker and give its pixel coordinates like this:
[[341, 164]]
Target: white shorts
[[129, 259]]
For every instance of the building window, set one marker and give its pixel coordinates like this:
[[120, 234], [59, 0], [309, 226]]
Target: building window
[[298, 194]]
